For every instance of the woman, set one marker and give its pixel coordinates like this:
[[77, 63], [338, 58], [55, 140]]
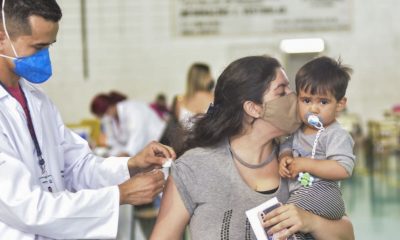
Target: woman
[[232, 164], [129, 125], [198, 95], [196, 100]]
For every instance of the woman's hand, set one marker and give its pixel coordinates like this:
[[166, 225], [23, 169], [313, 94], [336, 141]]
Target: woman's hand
[[287, 220]]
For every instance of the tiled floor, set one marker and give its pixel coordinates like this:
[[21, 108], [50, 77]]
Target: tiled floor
[[372, 197]]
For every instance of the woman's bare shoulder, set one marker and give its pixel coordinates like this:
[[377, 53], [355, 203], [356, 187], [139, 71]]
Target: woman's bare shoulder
[[205, 95]]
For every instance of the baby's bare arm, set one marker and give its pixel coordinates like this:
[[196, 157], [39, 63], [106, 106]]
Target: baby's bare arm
[[326, 169]]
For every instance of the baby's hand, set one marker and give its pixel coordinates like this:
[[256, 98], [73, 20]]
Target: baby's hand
[[283, 166], [297, 165]]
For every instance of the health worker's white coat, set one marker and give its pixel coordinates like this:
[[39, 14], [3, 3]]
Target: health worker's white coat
[[85, 198], [137, 126]]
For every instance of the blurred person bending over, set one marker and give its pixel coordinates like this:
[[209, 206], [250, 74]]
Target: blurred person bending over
[[128, 125], [52, 186]]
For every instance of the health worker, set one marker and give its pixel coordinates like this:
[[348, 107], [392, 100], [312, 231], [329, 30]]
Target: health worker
[[52, 185]]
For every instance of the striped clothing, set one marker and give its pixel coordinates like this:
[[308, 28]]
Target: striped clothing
[[322, 198]]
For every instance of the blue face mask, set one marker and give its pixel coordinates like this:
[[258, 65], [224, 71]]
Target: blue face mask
[[35, 68]]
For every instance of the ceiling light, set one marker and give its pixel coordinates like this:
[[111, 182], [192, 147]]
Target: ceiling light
[[304, 45]]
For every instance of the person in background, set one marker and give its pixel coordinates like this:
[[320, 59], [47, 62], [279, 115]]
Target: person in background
[[396, 109], [198, 95], [231, 163], [160, 106], [128, 125], [320, 153], [52, 185]]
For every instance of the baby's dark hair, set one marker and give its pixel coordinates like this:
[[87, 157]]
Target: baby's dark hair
[[324, 75]]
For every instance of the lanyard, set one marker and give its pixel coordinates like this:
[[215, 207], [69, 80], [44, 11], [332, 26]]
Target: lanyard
[[41, 162]]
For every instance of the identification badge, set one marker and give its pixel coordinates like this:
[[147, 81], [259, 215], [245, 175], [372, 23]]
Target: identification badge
[[47, 181]]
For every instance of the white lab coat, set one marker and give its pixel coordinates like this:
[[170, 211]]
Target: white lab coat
[[138, 125], [84, 202]]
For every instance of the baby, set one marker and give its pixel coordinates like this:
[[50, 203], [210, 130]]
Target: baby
[[320, 153]]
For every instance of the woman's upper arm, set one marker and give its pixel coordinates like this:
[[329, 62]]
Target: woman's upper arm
[[173, 215]]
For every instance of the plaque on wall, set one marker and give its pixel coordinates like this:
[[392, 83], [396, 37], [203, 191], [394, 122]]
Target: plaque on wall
[[241, 17]]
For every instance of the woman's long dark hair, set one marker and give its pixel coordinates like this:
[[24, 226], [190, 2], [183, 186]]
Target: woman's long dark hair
[[245, 79]]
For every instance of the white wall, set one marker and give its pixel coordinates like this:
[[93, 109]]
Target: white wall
[[132, 49]]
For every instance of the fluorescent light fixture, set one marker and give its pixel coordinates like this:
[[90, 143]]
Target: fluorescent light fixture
[[304, 45]]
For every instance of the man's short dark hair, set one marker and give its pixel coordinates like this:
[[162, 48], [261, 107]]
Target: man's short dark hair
[[17, 13], [322, 75]]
